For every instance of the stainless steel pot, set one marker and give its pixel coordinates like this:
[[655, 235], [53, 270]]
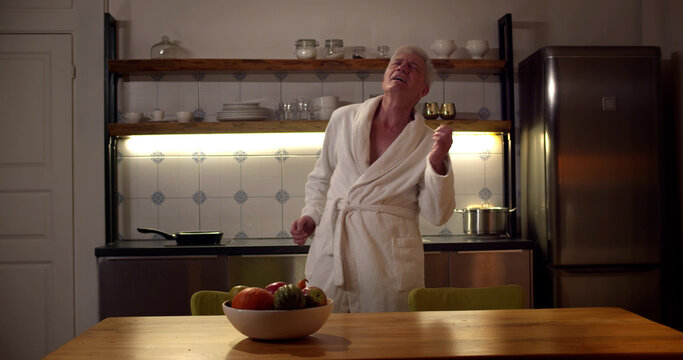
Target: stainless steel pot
[[485, 221]]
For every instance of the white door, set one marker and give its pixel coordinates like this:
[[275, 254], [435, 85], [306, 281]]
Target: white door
[[36, 211]]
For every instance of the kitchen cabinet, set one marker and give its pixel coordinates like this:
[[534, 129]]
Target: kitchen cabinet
[[163, 285], [155, 277], [157, 285], [436, 269], [479, 268]]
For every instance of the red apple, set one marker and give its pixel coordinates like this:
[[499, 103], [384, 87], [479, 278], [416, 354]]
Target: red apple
[[302, 283], [274, 286], [314, 296]]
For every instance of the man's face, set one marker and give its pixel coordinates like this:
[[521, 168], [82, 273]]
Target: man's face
[[405, 76]]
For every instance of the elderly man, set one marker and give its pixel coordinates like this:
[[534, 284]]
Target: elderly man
[[380, 168]]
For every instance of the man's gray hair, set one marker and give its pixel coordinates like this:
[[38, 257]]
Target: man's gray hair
[[410, 49]]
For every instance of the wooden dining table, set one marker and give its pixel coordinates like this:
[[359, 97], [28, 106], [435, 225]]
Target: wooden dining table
[[563, 333]]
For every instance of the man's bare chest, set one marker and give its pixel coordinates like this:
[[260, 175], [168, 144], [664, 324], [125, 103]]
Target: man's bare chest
[[380, 141]]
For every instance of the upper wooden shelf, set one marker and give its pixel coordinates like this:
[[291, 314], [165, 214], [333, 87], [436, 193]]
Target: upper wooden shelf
[[135, 66], [241, 127]]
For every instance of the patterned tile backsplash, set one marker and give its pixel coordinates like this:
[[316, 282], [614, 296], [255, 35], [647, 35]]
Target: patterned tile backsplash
[[252, 185]]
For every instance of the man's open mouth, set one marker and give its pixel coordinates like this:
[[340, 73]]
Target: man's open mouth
[[399, 79]]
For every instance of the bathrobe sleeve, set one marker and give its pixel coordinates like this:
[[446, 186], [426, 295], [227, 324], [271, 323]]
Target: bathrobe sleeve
[[437, 194], [319, 179]]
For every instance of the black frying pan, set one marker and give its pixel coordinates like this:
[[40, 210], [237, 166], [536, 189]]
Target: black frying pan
[[189, 237]]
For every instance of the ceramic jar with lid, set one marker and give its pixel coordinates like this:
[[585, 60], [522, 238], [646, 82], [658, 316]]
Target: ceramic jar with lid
[[306, 49], [334, 49], [164, 49]]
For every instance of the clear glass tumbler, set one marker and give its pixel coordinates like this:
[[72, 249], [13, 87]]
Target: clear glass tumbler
[[383, 52]]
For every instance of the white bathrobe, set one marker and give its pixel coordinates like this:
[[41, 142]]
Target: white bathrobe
[[367, 251]]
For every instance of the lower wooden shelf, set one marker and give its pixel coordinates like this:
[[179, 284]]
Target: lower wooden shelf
[[268, 126]]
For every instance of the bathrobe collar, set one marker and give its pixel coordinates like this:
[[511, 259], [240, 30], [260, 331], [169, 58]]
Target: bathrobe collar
[[406, 143]]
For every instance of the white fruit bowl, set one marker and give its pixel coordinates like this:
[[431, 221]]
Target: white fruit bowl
[[278, 324]]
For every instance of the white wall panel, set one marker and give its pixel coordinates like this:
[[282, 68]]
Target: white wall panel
[[35, 4], [24, 310]]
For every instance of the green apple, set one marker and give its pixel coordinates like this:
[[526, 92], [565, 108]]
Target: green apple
[[235, 289], [314, 296]]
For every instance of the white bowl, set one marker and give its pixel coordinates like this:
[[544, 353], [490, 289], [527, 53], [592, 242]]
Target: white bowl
[[477, 48], [132, 117], [325, 102], [278, 324], [322, 114]]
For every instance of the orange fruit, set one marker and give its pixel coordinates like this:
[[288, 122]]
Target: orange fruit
[[253, 298]]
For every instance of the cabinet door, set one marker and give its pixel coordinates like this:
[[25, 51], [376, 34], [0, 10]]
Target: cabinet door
[[155, 285], [436, 269], [491, 268]]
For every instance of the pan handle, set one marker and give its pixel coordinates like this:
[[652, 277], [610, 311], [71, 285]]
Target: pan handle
[[164, 234]]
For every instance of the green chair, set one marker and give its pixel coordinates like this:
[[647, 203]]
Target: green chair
[[483, 298], [208, 302]]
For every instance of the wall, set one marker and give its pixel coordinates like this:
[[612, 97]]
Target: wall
[[268, 29]]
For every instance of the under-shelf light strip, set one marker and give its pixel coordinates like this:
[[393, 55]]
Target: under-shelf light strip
[[181, 145]]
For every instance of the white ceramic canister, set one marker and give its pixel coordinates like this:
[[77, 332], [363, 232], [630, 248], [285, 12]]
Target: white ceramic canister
[[306, 49], [443, 48], [477, 48]]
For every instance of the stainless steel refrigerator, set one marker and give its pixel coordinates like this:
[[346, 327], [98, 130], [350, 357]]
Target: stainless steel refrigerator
[[590, 176]]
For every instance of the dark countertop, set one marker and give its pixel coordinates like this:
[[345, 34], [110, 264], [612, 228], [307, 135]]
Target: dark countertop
[[286, 246]]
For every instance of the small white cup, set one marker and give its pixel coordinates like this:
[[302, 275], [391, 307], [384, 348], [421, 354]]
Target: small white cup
[[132, 117], [157, 115], [183, 116]]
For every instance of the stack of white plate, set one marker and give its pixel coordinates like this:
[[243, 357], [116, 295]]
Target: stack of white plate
[[324, 106], [242, 111]]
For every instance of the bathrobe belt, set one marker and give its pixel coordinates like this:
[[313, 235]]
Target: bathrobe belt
[[344, 207]]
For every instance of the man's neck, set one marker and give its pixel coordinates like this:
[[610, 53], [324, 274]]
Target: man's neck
[[394, 114]]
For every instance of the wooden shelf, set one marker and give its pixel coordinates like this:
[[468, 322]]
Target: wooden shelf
[[241, 127], [137, 66]]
